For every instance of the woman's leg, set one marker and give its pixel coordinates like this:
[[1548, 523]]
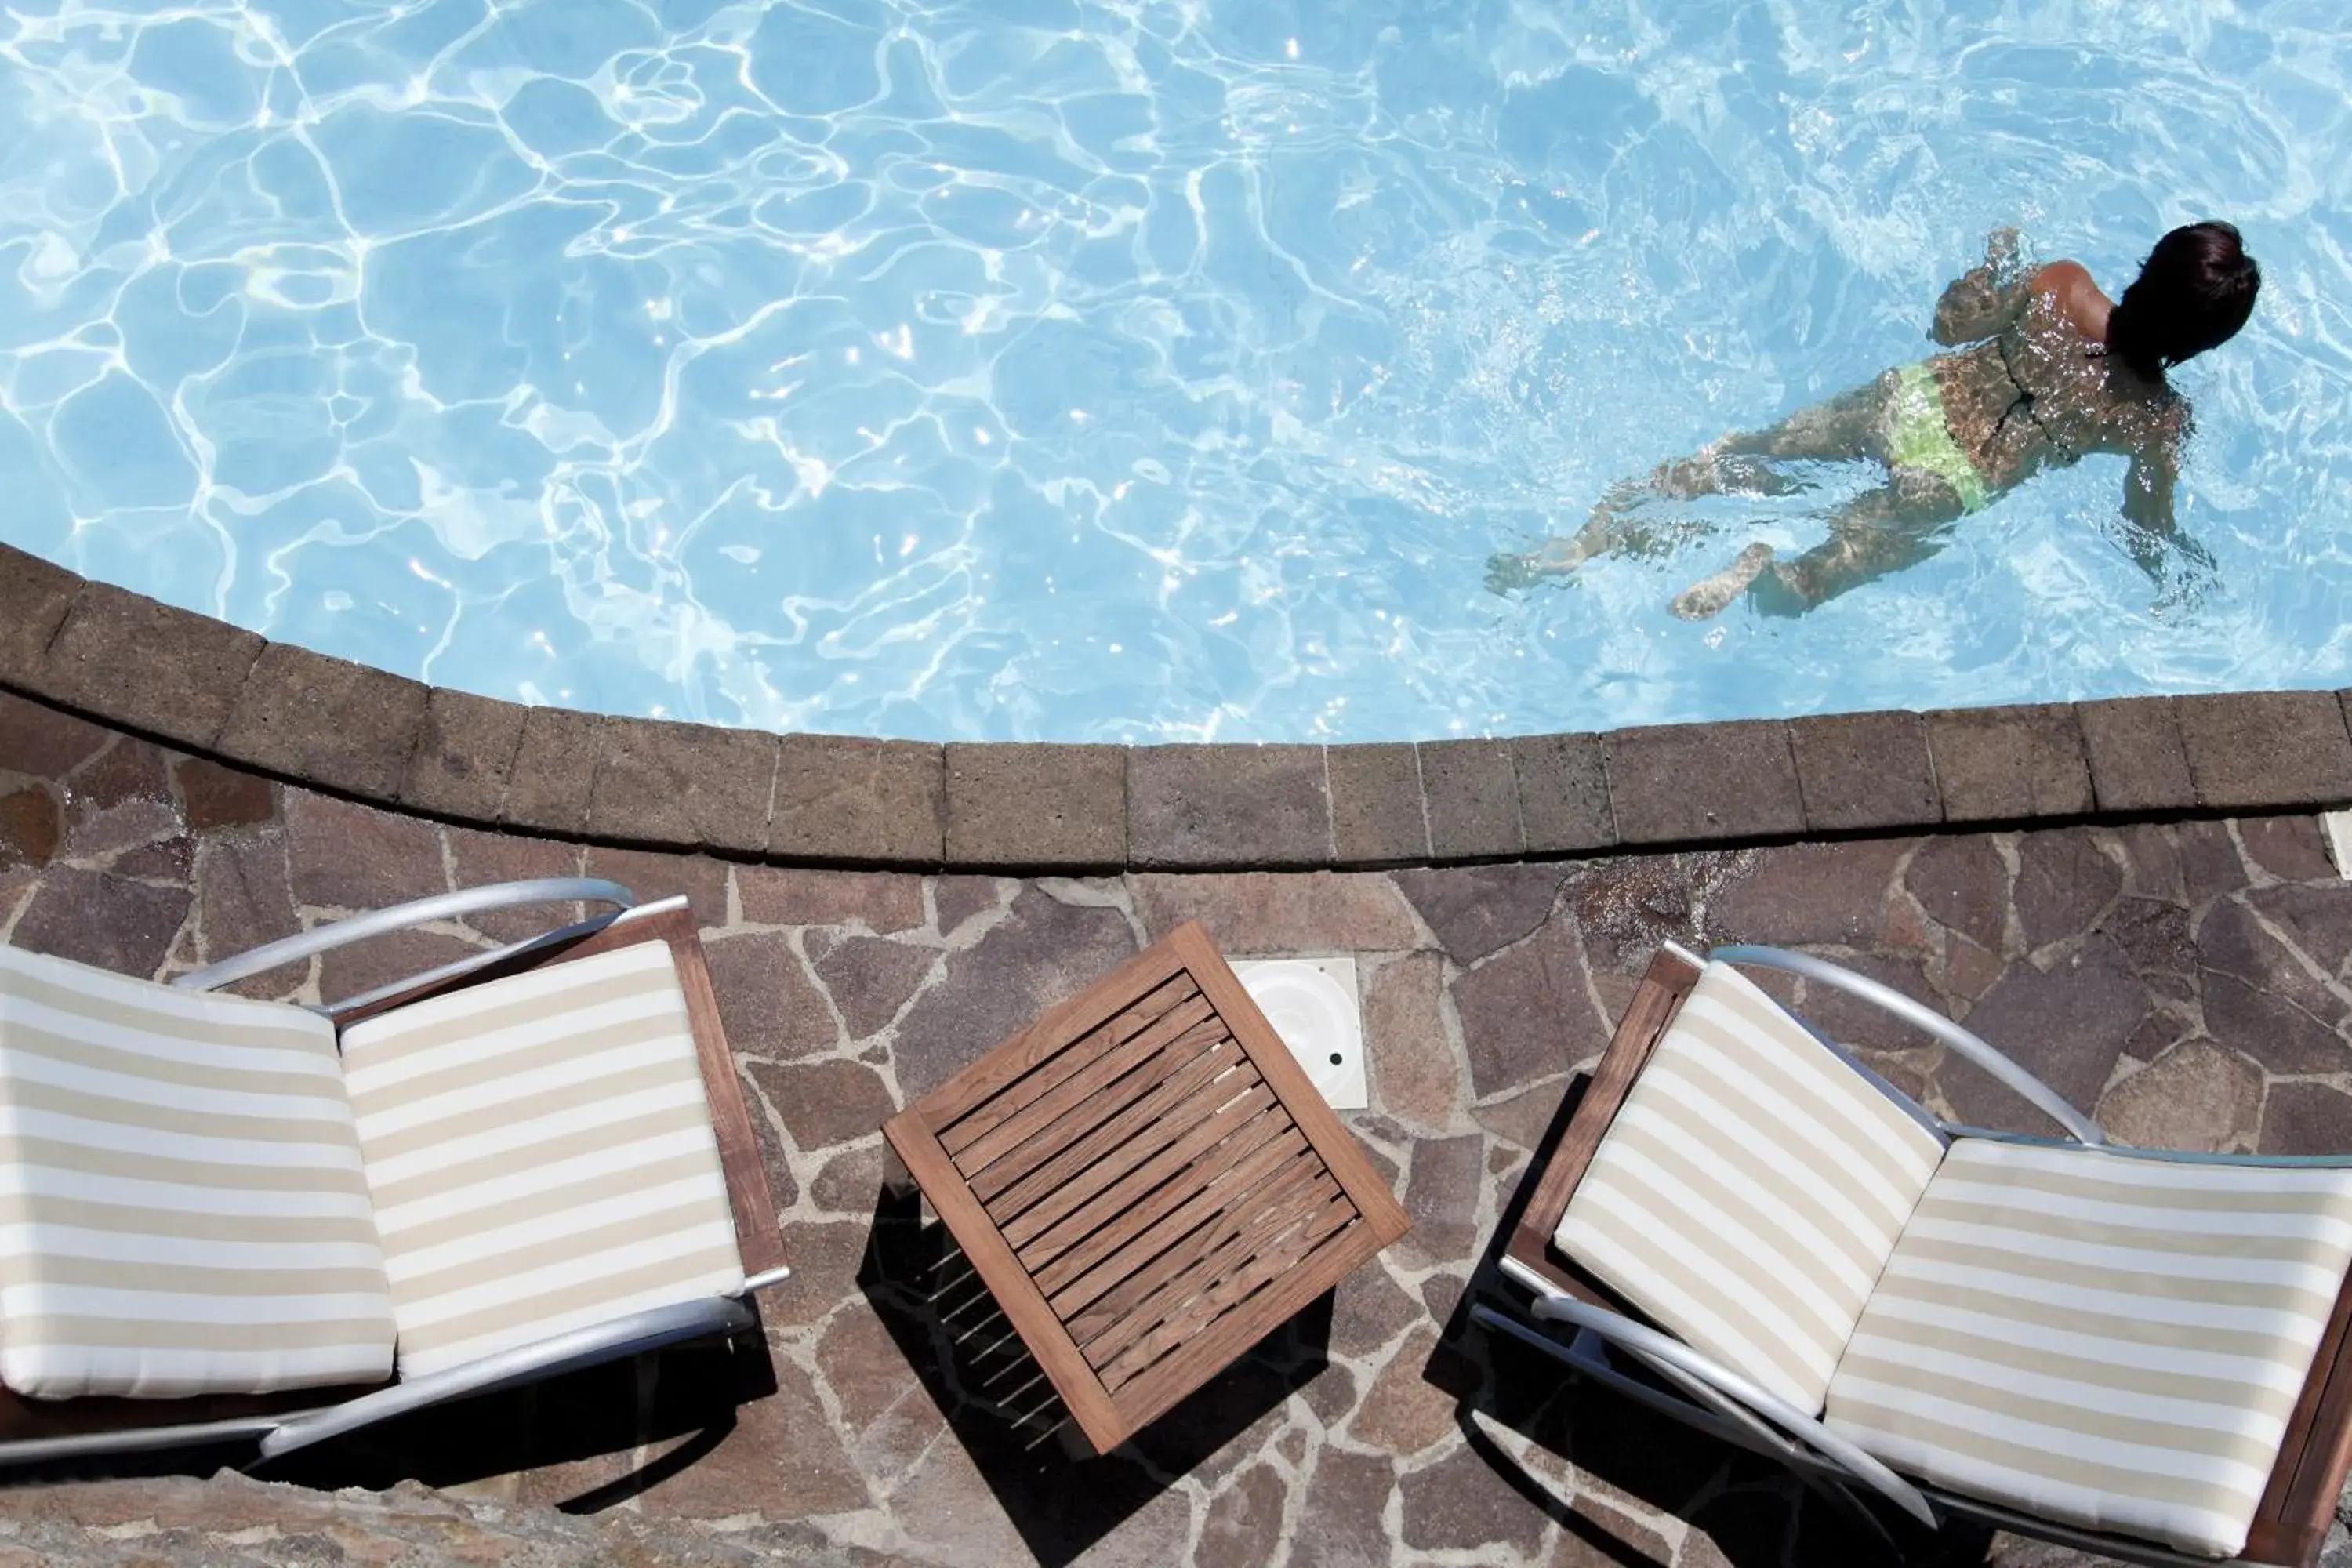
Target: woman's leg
[[1844, 427], [1887, 529], [1607, 533], [1841, 429], [1708, 596]]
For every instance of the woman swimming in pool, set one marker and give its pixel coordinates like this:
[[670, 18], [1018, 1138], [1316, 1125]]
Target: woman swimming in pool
[[2048, 371]]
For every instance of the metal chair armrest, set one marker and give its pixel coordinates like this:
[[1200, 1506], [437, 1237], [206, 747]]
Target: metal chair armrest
[[1587, 1352], [632, 1336], [1927, 1021], [236, 1429], [417, 912], [1662, 1349]]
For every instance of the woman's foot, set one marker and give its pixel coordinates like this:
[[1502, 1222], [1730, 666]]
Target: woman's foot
[[1555, 557], [1510, 573], [1708, 597], [1781, 593]]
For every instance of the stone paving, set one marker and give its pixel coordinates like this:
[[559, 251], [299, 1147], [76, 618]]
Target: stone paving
[[2192, 982]]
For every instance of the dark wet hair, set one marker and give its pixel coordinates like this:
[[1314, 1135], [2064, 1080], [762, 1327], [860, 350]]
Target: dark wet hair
[[2194, 291]]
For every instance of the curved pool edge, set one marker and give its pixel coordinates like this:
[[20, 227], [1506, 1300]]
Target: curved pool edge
[[824, 800]]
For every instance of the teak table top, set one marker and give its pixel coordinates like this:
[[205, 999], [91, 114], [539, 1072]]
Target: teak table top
[[1147, 1183]]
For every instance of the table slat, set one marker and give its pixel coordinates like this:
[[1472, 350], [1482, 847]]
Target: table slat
[[1152, 1393], [1282, 1072], [1228, 1287], [1054, 1070], [1010, 1189], [1228, 1245], [1132, 1254], [1022, 1304], [1052, 1112], [970, 1089], [1160, 1148], [1106, 1229]]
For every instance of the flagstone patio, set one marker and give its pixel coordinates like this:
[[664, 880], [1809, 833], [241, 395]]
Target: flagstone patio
[[2191, 981]]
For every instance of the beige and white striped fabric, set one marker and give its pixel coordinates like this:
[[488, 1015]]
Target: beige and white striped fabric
[[181, 1209], [541, 1152], [1749, 1189], [2110, 1341]]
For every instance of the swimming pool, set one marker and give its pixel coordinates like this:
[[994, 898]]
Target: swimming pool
[[1026, 369]]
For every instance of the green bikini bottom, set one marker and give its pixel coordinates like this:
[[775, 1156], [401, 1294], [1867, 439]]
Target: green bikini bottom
[[1919, 437]]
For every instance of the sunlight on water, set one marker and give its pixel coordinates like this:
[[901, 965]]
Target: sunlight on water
[[1126, 372]]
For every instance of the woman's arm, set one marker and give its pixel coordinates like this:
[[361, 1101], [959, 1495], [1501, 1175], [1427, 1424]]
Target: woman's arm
[[1985, 299], [2153, 440], [2147, 491], [2152, 536]]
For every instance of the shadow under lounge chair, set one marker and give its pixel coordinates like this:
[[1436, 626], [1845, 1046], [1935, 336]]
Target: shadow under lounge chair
[[232, 1221], [2142, 1353]]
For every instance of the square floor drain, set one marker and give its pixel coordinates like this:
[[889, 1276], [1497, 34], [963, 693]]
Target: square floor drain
[[2337, 826], [1312, 1004]]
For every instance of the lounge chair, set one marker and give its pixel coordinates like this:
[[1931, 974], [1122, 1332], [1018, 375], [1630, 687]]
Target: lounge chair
[[2141, 1353], [232, 1221]]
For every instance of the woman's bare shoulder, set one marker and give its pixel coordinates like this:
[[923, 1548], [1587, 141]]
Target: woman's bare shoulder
[[2070, 287]]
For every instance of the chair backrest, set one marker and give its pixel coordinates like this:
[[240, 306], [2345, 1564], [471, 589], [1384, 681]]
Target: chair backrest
[[2116, 1342], [185, 1209], [1749, 1189], [542, 1155]]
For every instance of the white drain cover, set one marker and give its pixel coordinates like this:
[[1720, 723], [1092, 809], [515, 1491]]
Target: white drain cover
[[2337, 826], [1311, 1003]]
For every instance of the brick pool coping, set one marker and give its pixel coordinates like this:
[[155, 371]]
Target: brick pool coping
[[828, 800]]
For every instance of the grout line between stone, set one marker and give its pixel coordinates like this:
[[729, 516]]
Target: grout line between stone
[[1421, 795], [1330, 816], [49, 643]]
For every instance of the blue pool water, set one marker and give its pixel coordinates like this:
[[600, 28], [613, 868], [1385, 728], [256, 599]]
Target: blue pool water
[[1020, 368]]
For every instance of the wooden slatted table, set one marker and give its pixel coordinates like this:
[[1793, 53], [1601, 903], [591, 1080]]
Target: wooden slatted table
[[1147, 1184]]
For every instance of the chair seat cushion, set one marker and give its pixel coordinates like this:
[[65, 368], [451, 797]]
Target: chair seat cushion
[[182, 1207], [1749, 1188], [2112, 1342], [541, 1156]]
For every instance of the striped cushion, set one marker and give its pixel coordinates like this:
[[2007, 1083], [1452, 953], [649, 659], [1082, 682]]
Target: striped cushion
[[2110, 1341], [181, 1209], [541, 1156], [1749, 1189]]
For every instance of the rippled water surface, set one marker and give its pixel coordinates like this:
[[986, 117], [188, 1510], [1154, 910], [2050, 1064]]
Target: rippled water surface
[[1131, 372]]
